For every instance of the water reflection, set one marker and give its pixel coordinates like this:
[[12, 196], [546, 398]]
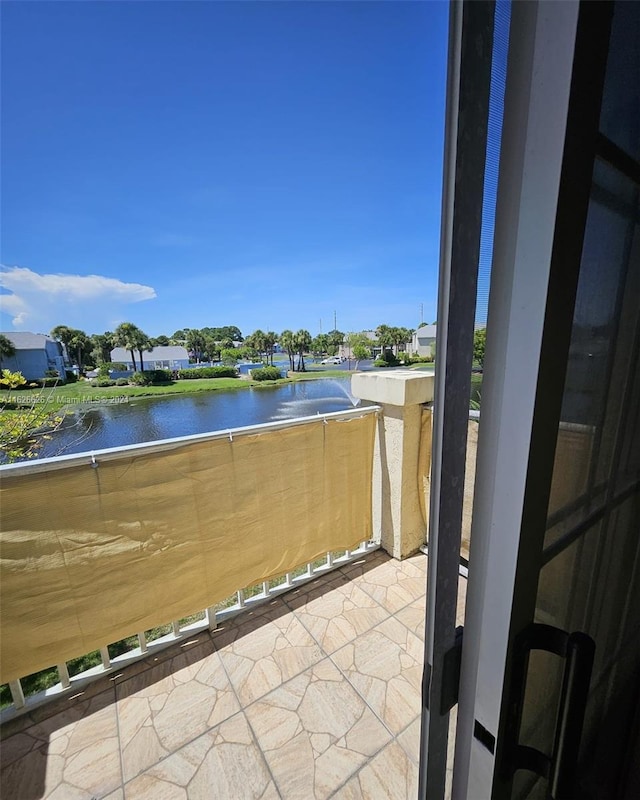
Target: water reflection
[[149, 419]]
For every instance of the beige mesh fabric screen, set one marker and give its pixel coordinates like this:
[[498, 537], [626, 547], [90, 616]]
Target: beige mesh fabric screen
[[424, 464], [92, 555]]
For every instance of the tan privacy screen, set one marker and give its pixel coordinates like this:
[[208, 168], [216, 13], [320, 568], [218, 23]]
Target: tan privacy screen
[[92, 555]]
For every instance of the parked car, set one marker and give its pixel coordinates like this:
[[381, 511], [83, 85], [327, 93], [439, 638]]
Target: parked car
[[332, 360]]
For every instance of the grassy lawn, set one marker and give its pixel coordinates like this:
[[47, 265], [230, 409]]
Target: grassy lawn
[[82, 391], [427, 366], [476, 388]]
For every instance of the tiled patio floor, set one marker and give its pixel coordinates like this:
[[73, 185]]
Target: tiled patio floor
[[314, 695]]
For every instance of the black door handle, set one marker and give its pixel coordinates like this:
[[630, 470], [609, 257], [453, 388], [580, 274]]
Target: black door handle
[[573, 702], [578, 651]]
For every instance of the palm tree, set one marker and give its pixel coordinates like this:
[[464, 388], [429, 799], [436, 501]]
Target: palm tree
[[336, 338], [79, 344], [143, 343], [102, 346], [400, 336], [270, 339], [129, 336], [385, 337], [196, 343], [7, 347], [302, 341], [211, 349], [287, 341], [64, 334], [258, 340]]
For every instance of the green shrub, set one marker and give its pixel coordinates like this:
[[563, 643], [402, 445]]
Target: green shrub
[[266, 374], [414, 358], [229, 356], [70, 377], [51, 373], [102, 382], [122, 382], [158, 375], [48, 381], [207, 372], [150, 376], [111, 366], [387, 359], [11, 380]]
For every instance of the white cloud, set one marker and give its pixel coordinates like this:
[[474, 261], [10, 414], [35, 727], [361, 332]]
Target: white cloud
[[33, 299]]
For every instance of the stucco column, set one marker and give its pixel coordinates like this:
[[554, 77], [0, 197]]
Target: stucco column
[[402, 457]]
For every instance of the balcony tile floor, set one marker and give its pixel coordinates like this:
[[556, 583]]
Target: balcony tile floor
[[313, 695]]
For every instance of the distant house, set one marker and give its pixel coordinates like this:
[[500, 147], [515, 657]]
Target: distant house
[[345, 351], [36, 353], [161, 357], [423, 342]]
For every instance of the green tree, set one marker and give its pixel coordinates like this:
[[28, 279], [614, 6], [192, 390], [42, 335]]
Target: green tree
[[76, 343], [130, 337], [212, 348], [336, 338], [320, 345], [479, 342], [103, 344], [302, 343], [7, 348], [233, 332], [358, 344], [403, 337], [196, 342], [270, 340], [385, 337], [229, 356], [24, 429], [143, 343], [287, 342], [360, 352], [80, 346], [257, 340], [228, 332], [179, 337], [64, 334], [160, 341]]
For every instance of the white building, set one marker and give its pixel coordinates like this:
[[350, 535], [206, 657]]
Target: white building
[[161, 357]]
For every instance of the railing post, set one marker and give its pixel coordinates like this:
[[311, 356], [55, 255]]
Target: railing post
[[106, 658], [402, 457], [63, 675], [17, 695]]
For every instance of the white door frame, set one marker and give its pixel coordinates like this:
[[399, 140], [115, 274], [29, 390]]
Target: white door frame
[[535, 113]]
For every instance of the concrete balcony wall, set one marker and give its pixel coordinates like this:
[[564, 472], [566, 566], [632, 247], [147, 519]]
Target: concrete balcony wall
[[402, 457]]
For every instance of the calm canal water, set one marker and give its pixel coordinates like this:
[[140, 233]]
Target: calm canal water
[[150, 419]]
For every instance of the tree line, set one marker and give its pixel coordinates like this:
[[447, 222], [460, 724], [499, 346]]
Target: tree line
[[224, 343]]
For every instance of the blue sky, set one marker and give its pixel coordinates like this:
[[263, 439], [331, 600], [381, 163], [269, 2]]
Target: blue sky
[[190, 164]]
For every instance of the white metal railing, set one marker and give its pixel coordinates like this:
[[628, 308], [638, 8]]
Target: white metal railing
[[210, 617], [165, 445]]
